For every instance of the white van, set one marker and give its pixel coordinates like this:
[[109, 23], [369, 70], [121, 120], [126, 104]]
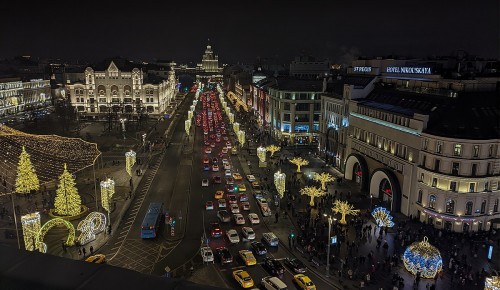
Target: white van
[[271, 239], [273, 283]]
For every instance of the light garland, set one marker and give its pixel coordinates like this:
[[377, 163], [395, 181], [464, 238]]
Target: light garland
[[424, 258], [299, 162], [492, 283], [187, 126], [445, 217], [48, 153], [236, 127], [130, 159], [26, 180], [241, 137], [273, 149], [279, 182], [344, 208], [67, 201], [231, 118], [323, 177], [190, 115], [31, 226], [382, 217], [93, 224], [70, 241], [312, 192], [261, 153], [107, 192]]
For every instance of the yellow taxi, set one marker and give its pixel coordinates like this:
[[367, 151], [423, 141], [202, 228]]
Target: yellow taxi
[[237, 176], [255, 185], [242, 187], [248, 257], [219, 194], [243, 278], [97, 259], [304, 282]]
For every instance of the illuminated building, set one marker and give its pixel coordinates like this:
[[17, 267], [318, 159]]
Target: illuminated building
[[18, 96]]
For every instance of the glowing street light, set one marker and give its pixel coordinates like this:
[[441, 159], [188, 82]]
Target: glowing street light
[[190, 115], [130, 158], [236, 127], [241, 137], [231, 118], [107, 192], [261, 153], [279, 182], [187, 126]]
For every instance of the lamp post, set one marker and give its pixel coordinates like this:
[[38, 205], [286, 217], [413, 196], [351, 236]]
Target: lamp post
[[122, 121], [330, 220], [371, 201]]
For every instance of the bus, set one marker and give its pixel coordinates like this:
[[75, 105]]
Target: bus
[[152, 220]]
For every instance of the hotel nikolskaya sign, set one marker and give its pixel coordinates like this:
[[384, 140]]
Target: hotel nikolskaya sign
[[408, 70]]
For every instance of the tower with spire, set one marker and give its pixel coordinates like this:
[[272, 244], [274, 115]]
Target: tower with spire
[[210, 62]]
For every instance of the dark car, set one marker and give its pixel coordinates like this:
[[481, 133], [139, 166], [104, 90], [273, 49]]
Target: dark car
[[224, 255], [296, 265], [258, 248], [224, 216], [217, 179], [274, 266], [216, 230]]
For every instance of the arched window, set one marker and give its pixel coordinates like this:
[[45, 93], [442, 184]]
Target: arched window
[[450, 206], [483, 206], [420, 194], [468, 207], [432, 201], [495, 206]]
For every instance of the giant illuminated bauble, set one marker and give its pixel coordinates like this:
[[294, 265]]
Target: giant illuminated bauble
[[424, 258]]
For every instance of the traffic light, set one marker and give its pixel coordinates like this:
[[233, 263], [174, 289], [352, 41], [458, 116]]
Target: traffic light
[[173, 222], [292, 235]]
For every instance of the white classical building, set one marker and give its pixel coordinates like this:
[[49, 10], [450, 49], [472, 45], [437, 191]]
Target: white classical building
[[128, 90], [18, 96]]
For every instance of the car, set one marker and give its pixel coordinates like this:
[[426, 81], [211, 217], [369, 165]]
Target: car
[[271, 239], [221, 203], [215, 160], [258, 247], [224, 161], [223, 216], [232, 198], [273, 283], [248, 233], [224, 150], [255, 185], [234, 208], [253, 219], [215, 230], [229, 180], [261, 201], [237, 176], [245, 205], [295, 264], [266, 211], [242, 187], [215, 167], [209, 205], [206, 167], [303, 282], [238, 218], [247, 257], [212, 145], [207, 254], [232, 236], [273, 266], [208, 150], [97, 259], [206, 160], [217, 179], [227, 166], [219, 194], [224, 255], [243, 197], [243, 278], [204, 182], [228, 145], [250, 178], [227, 173]]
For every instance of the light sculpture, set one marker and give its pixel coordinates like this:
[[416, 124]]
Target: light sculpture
[[299, 162], [187, 126], [130, 158], [190, 115], [279, 182], [424, 258], [224, 105], [236, 127], [231, 118], [344, 208], [312, 192], [492, 283], [31, 226], [323, 177], [382, 217], [261, 153], [107, 192], [67, 201], [241, 137], [70, 241], [273, 149], [93, 224]]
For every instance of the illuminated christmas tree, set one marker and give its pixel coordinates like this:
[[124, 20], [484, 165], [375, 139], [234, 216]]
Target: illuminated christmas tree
[[344, 208], [67, 202], [26, 180]]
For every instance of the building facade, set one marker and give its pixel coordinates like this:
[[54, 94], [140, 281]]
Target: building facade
[[18, 96]]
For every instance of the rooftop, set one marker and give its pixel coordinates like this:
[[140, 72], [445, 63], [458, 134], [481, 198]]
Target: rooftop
[[298, 85]]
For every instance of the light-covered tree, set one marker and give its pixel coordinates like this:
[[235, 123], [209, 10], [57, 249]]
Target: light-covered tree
[[299, 162], [26, 180], [323, 177], [273, 149], [344, 208], [312, 192], [67, 201]]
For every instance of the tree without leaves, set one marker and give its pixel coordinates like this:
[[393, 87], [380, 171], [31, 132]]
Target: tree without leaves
[[344, 208], [312, 192], [273, 149], [299, 162], [323, 177]]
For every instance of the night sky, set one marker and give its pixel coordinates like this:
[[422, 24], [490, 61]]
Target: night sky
[[241, 31]]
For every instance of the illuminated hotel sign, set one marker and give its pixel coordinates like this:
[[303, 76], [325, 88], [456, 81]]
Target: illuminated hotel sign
[[362, 69], [408, 70]]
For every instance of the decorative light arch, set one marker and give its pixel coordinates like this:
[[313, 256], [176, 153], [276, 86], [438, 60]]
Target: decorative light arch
[[93, 224], [70, 241]]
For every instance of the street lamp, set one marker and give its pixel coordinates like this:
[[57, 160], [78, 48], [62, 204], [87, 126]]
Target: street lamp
[[371, 200], [187, 126], [241, 137], [122, 121]]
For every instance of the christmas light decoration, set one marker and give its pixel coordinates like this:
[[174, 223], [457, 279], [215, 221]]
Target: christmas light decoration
[[299, 162], [93, 224], [190, 115], [231, 118], [195, 102], [70, 241], [107, 192], [187, 126], [130, 158], [312, 192], [279, 182], [224, 105], [26, 180], [344, 208], [31, 226], [323, 177], [241, 137], [382, 217], [492, 283], [424, 258], [261, 153], [67, 201], [47, 154], [273, 149], [236, 127]]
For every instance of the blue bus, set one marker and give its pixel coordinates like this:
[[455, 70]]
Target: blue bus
[[152, 220]]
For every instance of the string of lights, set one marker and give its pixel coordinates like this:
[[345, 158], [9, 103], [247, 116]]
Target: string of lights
[[31, 225], [261, 153], [93, 224], [70, 240], [130, 159], [382, 217], [424, 258]]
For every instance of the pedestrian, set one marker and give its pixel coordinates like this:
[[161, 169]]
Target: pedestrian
[[84, 252], [276, 216], [79, 251], [91, 250]]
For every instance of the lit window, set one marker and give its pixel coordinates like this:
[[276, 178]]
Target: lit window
[[450, 206], [468, 207], [457, 151], [432, 201]]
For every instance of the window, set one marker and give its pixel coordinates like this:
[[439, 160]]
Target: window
[[453, 185], [432, 201], [439, 147], [316, 117], [450, 206], [420, 194], [474, 169], [424, 159], [424, 145], [488, 168], [286, 117], [483, 206], [495, 206], [302, 107], [455, 168], [437, 162], [475, 151], [287, 106], [434, 182], [468, 207], [472, 187], [457, 151], [490, 151], [421, 177]]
